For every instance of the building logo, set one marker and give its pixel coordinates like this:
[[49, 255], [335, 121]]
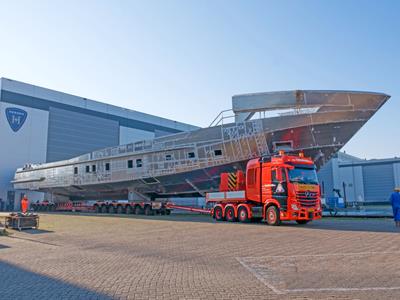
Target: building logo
[[16, 118]]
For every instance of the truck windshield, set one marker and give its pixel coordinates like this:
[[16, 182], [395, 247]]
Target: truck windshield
[[303, 175]]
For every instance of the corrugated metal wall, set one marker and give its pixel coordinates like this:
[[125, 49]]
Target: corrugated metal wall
[[378, 182], [71, 134], [325, 177]]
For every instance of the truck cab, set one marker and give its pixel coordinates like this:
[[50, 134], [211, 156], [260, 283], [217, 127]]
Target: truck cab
[[287, 186]]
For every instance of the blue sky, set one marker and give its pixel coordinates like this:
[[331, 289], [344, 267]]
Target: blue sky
[[185, 59]]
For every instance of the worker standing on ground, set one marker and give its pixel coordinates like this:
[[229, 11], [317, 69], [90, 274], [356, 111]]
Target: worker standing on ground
[[24, 204], [395, 201]]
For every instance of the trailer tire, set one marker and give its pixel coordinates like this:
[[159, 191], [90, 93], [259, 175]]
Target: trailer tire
[[218, 214], [104, 209], [120, 210], [138, 210], [230, 214], [148, 210], [129, 210], [272, 216], [243, 215], [302, 222]]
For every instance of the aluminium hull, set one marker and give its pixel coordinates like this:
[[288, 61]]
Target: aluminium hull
[[189, 164]]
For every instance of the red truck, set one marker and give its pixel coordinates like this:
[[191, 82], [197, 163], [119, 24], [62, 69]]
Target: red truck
[[274, 189]]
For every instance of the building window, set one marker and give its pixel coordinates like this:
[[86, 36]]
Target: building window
[[107, 166], [87, 169], [76, 170], [191, 155], [130, 164], [168, 157], [139, 163], [217, 152], [94, 168]]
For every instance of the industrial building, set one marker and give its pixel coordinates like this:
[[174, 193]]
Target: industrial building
[[40, 125], [360, 180]]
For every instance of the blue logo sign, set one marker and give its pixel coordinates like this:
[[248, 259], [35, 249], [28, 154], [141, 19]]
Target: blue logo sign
[[16, 118]]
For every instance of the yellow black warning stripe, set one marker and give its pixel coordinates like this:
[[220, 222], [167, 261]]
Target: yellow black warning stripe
[[232, 180]]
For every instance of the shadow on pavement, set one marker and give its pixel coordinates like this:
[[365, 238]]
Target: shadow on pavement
[[37, 231], [351, 224], [19, 283]]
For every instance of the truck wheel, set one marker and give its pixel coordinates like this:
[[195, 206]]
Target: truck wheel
[[302, 222], [218, 214], [148, 211], [230, 214], [104, 209], [243, 215], [120, 210], [273, 216]]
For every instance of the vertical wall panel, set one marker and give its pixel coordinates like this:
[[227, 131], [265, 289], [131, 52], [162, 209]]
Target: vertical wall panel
[[72, 134], [325, 177], [378, 181]]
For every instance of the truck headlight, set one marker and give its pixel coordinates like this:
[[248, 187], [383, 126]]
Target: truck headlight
[[294, 206]]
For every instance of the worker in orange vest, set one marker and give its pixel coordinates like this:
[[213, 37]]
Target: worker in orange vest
[[24, 204]]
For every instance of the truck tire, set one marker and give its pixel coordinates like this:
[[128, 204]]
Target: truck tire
[[230, 214], [129, 210], [243, 215], [302, 222], [272, 216], [120, 210], [218, 214], [104, 209], [148, 211]]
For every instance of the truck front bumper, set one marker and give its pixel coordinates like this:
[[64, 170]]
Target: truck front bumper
[[306, 214]]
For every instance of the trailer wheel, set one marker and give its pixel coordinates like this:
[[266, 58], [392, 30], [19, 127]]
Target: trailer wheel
[[129, 210], [218, 214], [138, 210], [243, 215], [104, 209], [120, 209], [273, 216], [302, 222], [230, 214], [148, 211]]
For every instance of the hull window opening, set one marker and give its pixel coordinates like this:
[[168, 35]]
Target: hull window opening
[[139, 163], [130, 164]]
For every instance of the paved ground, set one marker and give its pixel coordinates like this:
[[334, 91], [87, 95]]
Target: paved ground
[[192, 257]]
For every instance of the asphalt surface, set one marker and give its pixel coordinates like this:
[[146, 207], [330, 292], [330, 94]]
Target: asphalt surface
[[193, 257]]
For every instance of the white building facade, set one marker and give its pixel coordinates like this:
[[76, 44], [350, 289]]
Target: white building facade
[[40, 125], [359, 180]]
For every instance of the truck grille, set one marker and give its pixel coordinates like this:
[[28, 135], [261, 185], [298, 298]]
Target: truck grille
[[307, 199]]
